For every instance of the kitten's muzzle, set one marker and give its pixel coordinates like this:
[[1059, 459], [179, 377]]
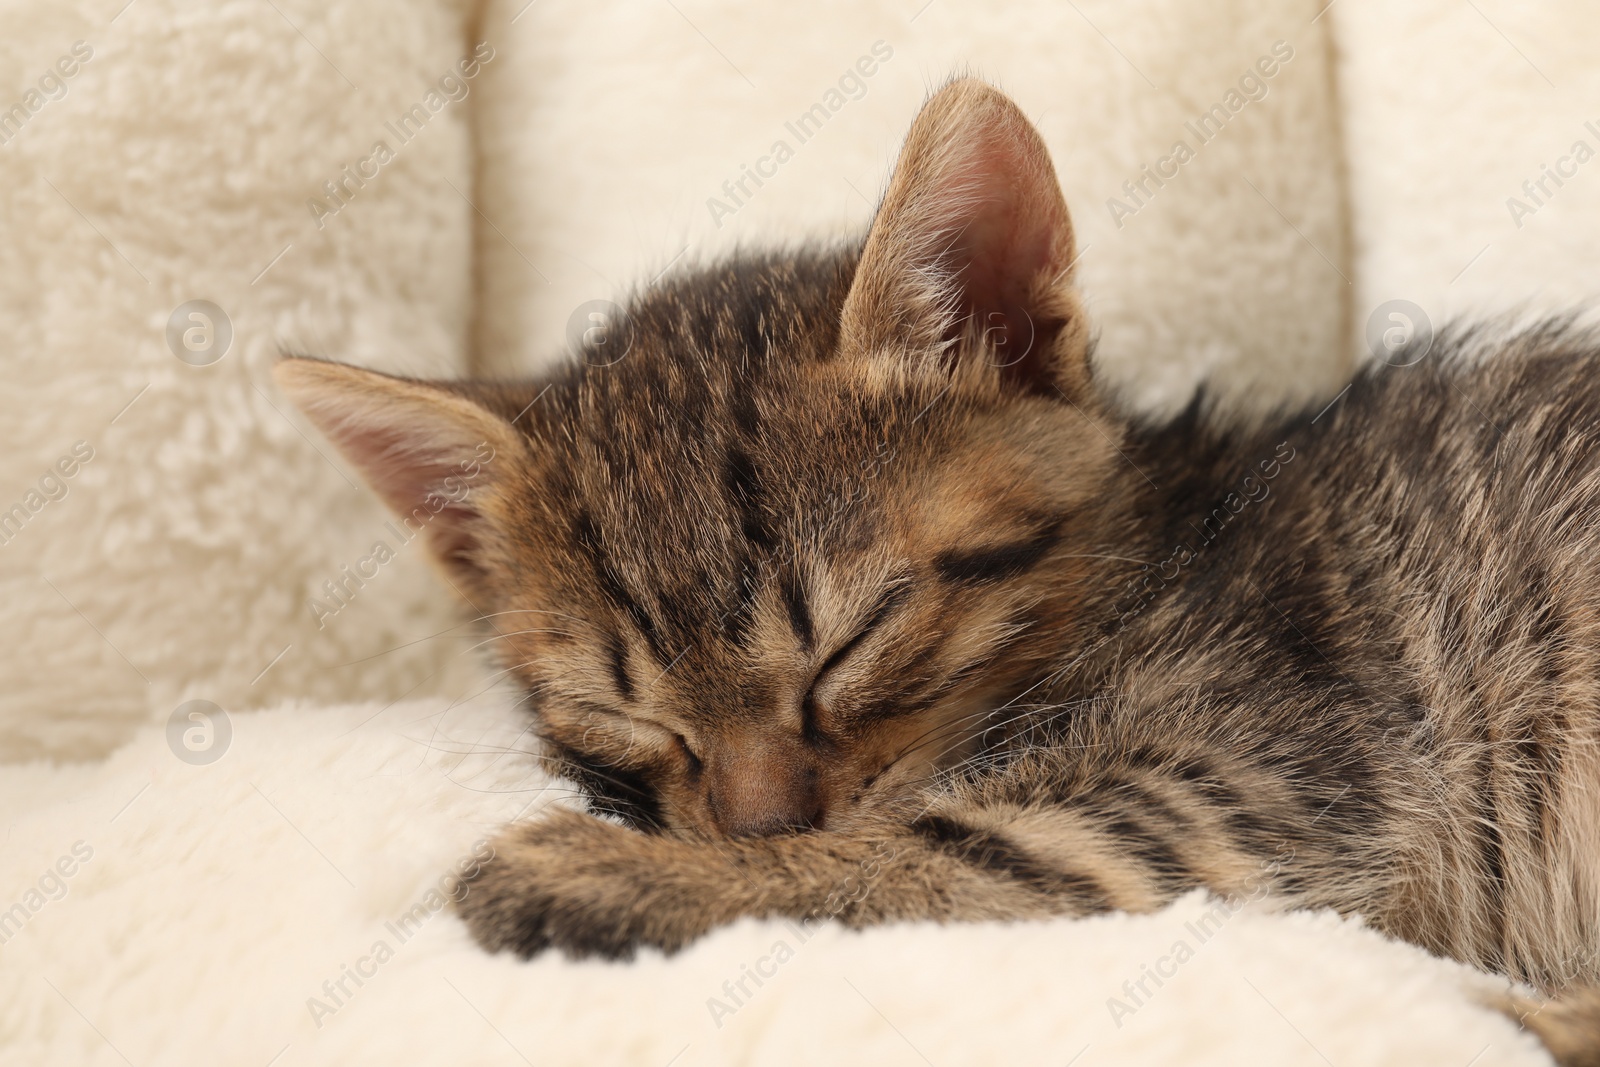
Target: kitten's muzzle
[[764, 787]]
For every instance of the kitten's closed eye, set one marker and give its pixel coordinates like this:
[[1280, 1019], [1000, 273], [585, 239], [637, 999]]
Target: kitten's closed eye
[[695, 764], [811, 711]]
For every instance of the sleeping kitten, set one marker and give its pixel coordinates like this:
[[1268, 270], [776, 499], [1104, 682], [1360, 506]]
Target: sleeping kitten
[[850, 590]]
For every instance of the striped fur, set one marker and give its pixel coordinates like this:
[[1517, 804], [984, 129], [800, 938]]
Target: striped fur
[[848, 576]]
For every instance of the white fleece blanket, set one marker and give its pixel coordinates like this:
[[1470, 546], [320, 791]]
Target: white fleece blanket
[[282, 905]]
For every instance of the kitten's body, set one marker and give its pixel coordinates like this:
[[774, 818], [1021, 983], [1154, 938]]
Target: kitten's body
[[848, 586], [1355, 653], [1404, 636]]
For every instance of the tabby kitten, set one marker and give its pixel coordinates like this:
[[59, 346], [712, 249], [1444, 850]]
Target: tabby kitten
[[848, 575]]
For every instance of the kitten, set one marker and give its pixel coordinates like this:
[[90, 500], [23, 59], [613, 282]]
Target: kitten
[[850, 589]]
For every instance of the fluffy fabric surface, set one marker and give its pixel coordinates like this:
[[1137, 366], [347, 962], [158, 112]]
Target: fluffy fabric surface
[[165, 153], [217, 914], [1475, 190], [1231, 268]]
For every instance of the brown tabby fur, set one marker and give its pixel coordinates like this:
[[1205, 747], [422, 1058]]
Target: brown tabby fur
[[847, 575]]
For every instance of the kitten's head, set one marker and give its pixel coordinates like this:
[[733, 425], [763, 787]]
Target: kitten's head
[[808, 538]]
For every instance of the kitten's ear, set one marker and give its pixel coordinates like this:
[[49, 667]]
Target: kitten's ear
[[438, 459], [973, 245]]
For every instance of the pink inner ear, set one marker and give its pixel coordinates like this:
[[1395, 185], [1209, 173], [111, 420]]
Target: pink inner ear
[[428, 483], [1012, 237], [402, 469], [430, 453], [425, 467]]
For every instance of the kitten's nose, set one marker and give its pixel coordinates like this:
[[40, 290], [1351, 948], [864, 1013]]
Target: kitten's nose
[[758, 790]]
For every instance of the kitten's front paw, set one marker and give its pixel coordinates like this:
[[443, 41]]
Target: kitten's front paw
[[588, 887]]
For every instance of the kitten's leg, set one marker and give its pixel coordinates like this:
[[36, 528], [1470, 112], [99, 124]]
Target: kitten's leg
[[1569, 1025], [590, 887]]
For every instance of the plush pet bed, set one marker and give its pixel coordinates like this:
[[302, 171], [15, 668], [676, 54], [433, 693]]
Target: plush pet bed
[[266, 883], [178, 163], [285, 905]]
